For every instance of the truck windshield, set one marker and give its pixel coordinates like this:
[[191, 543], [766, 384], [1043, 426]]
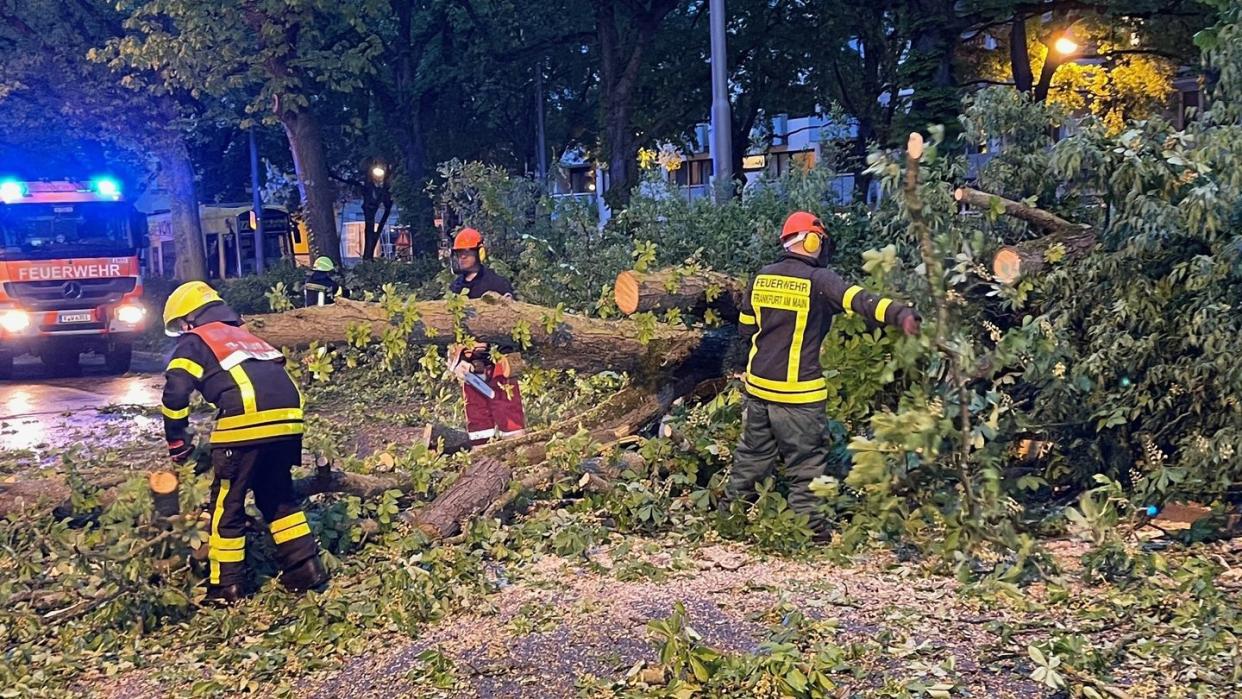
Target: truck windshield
[[47, 231]]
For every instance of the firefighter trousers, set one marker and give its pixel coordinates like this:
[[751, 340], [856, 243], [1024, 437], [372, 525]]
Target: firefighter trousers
[[774, 432], [265, 469]]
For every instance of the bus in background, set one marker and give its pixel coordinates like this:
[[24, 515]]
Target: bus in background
[[228, 240], [70, 279]]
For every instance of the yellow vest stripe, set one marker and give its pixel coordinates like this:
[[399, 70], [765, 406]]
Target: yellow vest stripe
[[175, 414], [788, 386], [259, 418], [881, 307], [847, 301], [745, 319], [788, 398], [245, 434], [246, 388], [188, 366]]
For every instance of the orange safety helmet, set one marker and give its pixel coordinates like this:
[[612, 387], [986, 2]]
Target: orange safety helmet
[[806, 228], [468, 239], [802, 222]]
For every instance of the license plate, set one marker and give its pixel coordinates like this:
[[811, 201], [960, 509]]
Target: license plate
[[80, 317]]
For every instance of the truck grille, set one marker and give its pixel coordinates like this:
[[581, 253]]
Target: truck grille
[[69, 293]]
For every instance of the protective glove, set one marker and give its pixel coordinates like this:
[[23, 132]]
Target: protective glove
[[179, 450], [911, 323]]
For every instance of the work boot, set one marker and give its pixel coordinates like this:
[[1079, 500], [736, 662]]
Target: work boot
[[224, 595], [307, 575]]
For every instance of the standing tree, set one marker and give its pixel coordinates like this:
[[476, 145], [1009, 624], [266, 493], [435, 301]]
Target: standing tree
[[278, 59], [46, 46]]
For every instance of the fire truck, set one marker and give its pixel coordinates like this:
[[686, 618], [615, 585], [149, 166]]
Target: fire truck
[[70, 280]]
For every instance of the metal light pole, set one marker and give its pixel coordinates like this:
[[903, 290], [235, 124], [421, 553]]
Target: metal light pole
[[258, 208], [722, 140], [541, 141]]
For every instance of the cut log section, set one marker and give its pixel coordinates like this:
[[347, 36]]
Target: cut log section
[[477, 487], [1012, 262], [639, 292], [444, 439], [577, 342], [165, 492]]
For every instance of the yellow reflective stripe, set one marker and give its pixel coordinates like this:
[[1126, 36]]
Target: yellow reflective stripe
[[175, 414], [793, 398], [219, 557], [881, 307], [788, 386], [245, 387], [745, 319], [291, 533], [213, 556], [261, 432], [847, 301], [292, 520], [224, 543], [258, 418], [795, 347], [190, 367], [754, 346]]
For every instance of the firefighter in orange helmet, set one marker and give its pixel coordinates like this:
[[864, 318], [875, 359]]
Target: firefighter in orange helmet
[[785, 316], [499, 414]]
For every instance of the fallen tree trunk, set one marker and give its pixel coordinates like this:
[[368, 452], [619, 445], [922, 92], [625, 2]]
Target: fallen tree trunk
[[560, 341], [1012, 262], [639, 292]]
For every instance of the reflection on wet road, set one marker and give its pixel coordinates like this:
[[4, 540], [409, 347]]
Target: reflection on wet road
[[38, 410]]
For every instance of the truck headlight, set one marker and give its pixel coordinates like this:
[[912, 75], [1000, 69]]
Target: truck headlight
[[131, 314], [14, 320]]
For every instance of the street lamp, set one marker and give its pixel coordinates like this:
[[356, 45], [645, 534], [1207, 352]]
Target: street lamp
[[1061, 51], [1066, 46], [378, 173]]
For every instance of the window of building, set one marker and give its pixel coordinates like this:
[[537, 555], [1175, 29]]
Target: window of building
[[700, 172]]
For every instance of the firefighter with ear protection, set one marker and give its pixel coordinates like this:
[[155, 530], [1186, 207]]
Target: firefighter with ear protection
[[785, 316], [499, 414], [256, 442]]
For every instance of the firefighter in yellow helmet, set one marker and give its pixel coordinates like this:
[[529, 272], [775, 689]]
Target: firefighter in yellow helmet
[[256, 443], [785, 316]]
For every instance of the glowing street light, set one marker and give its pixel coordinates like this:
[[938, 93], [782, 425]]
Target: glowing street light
[[1066, 46], [378, 173]]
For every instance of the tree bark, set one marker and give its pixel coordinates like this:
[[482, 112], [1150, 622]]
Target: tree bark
[[178, 174], [1019, 56], [575, 342], [314, 181], [639, 292], [1012, 262]]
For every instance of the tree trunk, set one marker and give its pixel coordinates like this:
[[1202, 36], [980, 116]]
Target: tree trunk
[[1012, 262], [370, 209], [575, 342], [318, 195], [178, 174], [638, 292], [483, 482], [1019, 56]]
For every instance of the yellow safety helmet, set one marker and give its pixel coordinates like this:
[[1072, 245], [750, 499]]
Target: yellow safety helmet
[[184, 300]]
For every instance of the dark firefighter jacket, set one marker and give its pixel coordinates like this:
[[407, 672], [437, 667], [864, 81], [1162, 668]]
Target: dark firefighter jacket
[[239, 374], [486, 280], [318, 281], [787, 313]]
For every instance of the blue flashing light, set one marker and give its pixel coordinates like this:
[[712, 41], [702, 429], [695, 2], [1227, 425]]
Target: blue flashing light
[[1152, 510], [11, 191], [107, 187]]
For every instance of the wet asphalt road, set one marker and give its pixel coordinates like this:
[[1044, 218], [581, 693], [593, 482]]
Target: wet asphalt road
[[37, 409]]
